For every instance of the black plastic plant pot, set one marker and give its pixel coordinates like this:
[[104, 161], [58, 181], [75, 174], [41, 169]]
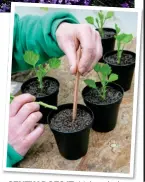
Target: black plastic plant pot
[[125, 71], [72, 143], [50, 97], [105, 115], [108, 42]]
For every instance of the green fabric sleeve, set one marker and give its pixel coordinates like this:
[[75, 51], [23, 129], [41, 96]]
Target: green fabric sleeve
[[37, 33], [12, 156]]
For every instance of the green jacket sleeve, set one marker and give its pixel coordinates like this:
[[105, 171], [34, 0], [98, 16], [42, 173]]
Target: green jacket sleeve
[[12, 156], [37, 33]]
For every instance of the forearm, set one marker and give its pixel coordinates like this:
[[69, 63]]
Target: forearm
[[38, 34]]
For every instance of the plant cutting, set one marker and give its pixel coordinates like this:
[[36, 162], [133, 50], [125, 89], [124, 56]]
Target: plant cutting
[[107, 34], [44, 88], [103, 98], [40, 103], [122, 61], [71, 126]]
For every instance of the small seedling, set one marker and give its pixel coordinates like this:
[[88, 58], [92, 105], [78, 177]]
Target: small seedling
[[40, 103], [100, 20], [105, 76], [32, 59], [122, 39]]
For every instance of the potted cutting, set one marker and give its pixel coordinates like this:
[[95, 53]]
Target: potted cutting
[[72, 136], [122, 61], [44, 88], [103, 98], [107, 34]]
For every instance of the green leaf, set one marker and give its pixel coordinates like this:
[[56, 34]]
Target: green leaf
[[90, 83], [113, 77], [120, 37], [40, 73], [101, 15], [31, 58], [109, 15], [127, 38], [90, 20], [124, 38], [117, 29], [97, 21], [54, 63], [97, 67], [106, 69]]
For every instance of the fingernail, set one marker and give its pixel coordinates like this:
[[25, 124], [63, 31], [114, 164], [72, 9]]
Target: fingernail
[[41, 125], [31, 96], [34, 98]]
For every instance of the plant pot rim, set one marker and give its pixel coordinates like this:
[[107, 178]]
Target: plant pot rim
[[45, 77], [115, 51], [120, 89], [70, 104], [111, 30]]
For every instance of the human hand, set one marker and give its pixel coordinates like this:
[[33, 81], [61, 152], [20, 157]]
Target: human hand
[[23, 128], [69, 36]]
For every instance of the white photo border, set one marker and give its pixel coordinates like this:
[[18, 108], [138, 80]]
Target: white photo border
[[135, 99]]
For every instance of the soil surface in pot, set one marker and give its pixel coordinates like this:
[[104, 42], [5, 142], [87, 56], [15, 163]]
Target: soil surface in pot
[[108, 34], [126, 59], [112, 95], [49, 87], [62, 121]]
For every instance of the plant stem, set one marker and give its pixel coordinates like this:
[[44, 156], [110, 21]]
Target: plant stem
[[104, 92], [103, 95], [46, 105], [99, 76], [41, 84], [35, 70]]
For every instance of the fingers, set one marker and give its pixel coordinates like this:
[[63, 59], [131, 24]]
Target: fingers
[[35, 134], [19, 101], [70, 51], [91, 48], [99, 51], [86, 36], [29, 124], [26, 110]]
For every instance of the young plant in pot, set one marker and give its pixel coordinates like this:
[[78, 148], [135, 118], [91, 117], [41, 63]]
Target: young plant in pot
[[107, 34], [44, 88], [122, 61], [103, 98], [72, 136]]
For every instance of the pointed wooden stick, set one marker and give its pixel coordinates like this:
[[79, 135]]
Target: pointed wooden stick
[[76, 87]]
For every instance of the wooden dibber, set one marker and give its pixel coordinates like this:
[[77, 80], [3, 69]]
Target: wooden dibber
[[76, 87]]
